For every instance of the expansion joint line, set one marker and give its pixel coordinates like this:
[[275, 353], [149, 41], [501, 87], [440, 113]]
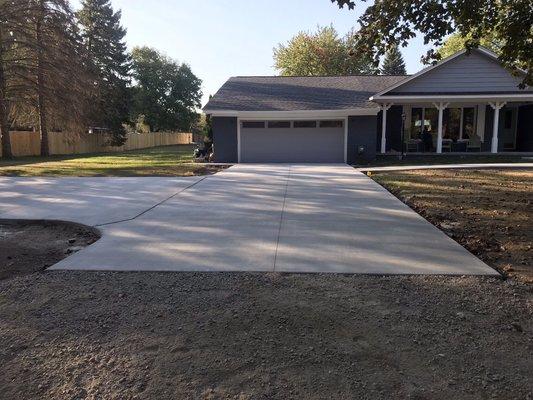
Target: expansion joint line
[[154, 206], [281, 217]]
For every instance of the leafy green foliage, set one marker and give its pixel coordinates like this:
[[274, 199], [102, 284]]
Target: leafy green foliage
[[398, 21], [393, 64], [167, 93], [322, 53], [456, 43], [107, 58]]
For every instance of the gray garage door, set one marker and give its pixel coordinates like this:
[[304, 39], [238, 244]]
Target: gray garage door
[[292, 141]]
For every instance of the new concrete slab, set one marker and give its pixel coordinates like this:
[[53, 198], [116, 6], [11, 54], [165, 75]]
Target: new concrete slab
[[90, 201], [350, 223], [285, 218]]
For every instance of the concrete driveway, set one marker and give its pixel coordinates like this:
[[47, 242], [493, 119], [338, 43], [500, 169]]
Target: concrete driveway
[[283, 218]]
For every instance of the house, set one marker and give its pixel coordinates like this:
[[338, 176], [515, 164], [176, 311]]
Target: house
[[467, 103]]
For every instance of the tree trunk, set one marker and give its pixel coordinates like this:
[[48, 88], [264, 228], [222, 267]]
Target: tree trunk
[[4, 123], [43, 130]]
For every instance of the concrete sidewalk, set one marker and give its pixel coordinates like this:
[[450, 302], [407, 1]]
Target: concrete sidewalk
[[447, 166], [283, 218]]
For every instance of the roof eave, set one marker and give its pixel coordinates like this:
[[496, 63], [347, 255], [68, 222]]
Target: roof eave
[[454, 97], [293, 113]]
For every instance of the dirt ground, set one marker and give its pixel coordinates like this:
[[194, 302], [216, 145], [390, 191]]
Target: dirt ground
[[489, 212], [81, 335], [32, 246]]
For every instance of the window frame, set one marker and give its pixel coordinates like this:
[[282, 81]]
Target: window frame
[[253, 123], [308, 121], [320, 122], [283, 124]]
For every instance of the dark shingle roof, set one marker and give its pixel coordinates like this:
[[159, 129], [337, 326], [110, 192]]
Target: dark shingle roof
[[284, 93]]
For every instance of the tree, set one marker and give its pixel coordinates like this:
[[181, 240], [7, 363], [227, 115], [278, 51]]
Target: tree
[[15, 75], [62, 84], [166, 93], [322, 53], [107, 58], [398, 21], [40, 63], [456, 42], [4, 123], [393, 64]]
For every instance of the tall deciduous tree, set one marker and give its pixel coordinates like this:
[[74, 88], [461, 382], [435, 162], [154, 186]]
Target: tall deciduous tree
[[166, 93], [397, 21], [393, 64], [456, 43], [107, 57], [322, 53]]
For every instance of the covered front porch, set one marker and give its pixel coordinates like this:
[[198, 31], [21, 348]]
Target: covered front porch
[[460, 126]]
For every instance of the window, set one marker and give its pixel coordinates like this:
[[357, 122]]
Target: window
[[253, 124], [279, 124], [469, 123], [331, 124], [423, 130], [416, 122], [305, 124], [451, 125]]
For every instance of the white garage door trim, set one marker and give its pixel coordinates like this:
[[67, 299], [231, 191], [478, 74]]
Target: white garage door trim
[[344, 119]]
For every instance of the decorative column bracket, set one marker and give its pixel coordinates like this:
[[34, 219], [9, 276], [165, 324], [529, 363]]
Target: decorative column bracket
[[496, 106], [441, 107], [384, 108]]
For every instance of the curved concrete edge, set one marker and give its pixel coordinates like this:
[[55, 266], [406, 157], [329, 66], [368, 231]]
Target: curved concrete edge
[[444, 166]]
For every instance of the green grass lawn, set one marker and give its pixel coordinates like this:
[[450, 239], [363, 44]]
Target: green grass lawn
[[158, 161]]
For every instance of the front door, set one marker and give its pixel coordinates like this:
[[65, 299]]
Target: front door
[[508, 128]]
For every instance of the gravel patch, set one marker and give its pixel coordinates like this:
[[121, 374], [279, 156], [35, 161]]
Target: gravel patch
[[90, 335]]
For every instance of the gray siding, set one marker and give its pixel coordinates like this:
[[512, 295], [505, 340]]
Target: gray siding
[[225, 139], [474, 73], [362, 131]]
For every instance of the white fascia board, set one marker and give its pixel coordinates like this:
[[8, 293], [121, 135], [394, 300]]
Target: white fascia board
[[301, 114], [455, 97]]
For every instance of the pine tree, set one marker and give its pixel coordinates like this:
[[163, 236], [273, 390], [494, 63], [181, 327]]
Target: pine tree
[[42, 75], [62, 84], [107, 57], [393, 64], [4, 122]]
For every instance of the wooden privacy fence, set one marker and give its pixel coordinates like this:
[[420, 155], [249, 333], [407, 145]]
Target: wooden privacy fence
[[28, 143]]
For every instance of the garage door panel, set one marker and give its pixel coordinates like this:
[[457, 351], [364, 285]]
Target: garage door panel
[[305, 145]]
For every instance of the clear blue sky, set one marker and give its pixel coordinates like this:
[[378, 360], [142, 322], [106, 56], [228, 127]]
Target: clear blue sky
[[223, 38]]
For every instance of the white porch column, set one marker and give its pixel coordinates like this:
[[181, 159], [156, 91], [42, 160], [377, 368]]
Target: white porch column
[[441, 107], [497, 106], [384, 107]]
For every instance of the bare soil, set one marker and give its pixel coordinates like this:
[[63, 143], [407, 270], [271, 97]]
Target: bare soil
[[91, 335], [32, 246], [488, 211]]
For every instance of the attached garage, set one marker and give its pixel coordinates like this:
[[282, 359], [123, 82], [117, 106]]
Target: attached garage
[[296, 141]]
